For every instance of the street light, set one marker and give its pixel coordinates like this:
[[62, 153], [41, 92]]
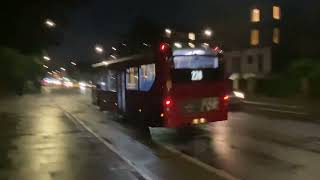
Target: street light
[[45, 66], [168, 31], [73, 63], [113, 56], [178, 45], [99, 49], [50, 23], [62, 69], [47, 58], [113, 48], [208, 32]]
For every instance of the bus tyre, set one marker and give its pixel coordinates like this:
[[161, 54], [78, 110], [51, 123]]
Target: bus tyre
[[144, 129]]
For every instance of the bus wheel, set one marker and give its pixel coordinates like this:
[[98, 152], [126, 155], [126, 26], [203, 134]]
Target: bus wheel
[[144, 129]]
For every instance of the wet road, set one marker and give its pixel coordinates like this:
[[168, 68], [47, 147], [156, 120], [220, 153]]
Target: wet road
[[251, 145]]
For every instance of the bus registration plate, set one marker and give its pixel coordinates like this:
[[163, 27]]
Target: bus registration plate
[[201, 105]]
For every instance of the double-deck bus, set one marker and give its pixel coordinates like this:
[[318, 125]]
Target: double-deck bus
[[170, 85]]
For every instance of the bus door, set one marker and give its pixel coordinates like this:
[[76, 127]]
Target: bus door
[[121, 91]]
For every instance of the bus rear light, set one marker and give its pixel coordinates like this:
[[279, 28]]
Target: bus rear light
[[162, 47], [168, 102], [226, 98]]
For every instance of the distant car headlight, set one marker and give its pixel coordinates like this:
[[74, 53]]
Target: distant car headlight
[[239, 94], [82, 84]]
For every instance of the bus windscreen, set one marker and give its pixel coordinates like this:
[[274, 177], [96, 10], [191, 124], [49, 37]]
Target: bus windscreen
[[196, 62]]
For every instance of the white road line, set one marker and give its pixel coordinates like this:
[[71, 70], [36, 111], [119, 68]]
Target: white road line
[[145, 175], [271, 104], [110, 146], [205, 166], [283, 111]]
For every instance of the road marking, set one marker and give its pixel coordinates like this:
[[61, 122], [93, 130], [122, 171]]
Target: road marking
[[205, 166], [271, 104], [145, 175], [283, 111], [108, 145]]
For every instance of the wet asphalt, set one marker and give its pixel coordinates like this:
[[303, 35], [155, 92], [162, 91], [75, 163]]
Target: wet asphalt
[[40, 141]]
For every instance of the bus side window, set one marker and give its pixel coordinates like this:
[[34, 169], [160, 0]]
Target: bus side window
[[147, 74], [132, 78]]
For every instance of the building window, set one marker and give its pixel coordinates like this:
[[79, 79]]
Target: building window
[[147, 74], [250, 60], [254, 37], [276, 12], [260, 63], [276, 36], [255, 15], [132, 78]]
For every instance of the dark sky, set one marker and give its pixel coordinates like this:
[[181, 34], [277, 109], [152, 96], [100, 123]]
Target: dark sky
[[102, 21]]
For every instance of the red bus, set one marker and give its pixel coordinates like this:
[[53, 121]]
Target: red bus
[[170, 86]]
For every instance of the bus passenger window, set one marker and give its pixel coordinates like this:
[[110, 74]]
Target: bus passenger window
[[112, 81], [132, 78], [147, 75]]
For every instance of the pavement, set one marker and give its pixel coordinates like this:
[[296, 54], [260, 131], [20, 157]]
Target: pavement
[[60, 135]]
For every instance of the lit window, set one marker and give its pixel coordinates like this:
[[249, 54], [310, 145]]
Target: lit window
[[255, 15], [147, 75], [276, 36], [132, 78], [276, 12], [254, 38]]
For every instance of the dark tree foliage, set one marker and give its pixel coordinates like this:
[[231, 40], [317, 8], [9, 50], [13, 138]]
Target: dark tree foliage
[[24, 36], [23, 23]]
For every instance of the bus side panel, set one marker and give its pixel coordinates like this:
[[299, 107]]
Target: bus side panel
[[108, 101]]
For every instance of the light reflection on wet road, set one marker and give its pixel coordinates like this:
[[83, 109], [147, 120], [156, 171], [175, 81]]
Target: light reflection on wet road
[[248, 146]]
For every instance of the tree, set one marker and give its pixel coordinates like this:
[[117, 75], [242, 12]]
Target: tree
[[23, 23]]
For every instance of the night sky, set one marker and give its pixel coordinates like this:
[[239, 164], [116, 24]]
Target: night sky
[[101, 22], [104, 21]]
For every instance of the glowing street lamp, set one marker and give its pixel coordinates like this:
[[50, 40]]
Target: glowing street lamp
[[73, 63], [113, 56], [50, 23], [99, 49], [178, 45], [62, 69], [45, 66], [47, 58], [208, 32], [168, 31], [113, 48]]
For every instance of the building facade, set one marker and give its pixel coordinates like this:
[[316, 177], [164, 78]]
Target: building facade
[[254, 45]]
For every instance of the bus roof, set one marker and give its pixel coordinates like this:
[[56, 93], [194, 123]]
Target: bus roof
[[123, 60]]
